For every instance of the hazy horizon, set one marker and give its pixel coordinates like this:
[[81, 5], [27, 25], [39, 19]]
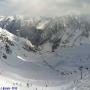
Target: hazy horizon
[[44, 7]]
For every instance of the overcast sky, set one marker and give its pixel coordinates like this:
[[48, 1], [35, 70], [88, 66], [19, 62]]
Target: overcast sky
[[44, 7]]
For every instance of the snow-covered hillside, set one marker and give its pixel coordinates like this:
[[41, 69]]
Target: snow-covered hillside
[[67, 31], [57, 60]]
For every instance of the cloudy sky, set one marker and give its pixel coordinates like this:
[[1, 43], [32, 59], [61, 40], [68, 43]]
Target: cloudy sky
[[44, 7]]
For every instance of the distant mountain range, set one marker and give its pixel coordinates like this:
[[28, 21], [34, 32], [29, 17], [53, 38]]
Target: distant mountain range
[[65, 31]]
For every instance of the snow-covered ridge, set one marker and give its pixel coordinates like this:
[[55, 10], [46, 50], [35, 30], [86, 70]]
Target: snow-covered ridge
[[67, 31], [9, 41]]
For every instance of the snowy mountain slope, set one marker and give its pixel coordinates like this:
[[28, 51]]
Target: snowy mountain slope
[[33, 69], [57, 57], [69, 30]]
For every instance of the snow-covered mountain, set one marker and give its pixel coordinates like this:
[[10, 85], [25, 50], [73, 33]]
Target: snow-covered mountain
[[66, 30], [45, 53]]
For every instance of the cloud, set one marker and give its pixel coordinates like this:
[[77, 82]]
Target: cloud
[[44, 7]]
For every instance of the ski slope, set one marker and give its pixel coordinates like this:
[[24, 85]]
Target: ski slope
[[43, 70]]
